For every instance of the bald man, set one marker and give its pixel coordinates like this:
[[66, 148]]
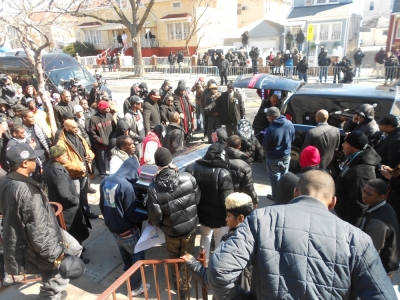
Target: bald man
[[324, 137], [79, 160], [300, 251]]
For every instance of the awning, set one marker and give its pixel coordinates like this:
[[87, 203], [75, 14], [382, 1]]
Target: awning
[[89, 24], [111, 26], [150, 24], [177, 17]]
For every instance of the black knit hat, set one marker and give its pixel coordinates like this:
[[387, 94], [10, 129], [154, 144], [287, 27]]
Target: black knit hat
[[162, 157], [357, 139]]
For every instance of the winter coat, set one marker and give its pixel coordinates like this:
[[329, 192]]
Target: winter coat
[[165, 110], [369, 128], [278, 61], [81, 131], [288, 60], [350, 183], [172, 202], [253, 149], [391, 62], [380, 57], [120, 129], [394, 194], [151, 115], [260, 121], [381, 224], [388, 149], [237, 154], [215, 183], [75, 161], [302, 67], [294, 239], [174, 139], [242, 176], [296, 58], [179, 58], [118, 200], [171, 59], [358, 57], [8, 93], [300, 38], [183, 106], [223, 65], [32, 238], [326, 139], [133, 120], [102, 128], [60, 109], [278, 138], [222, 106], [324, 60], [62, 190]]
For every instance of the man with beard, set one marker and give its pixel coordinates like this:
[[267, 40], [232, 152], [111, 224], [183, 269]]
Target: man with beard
[[134, 118], [166, 108], [124, 149], [151, 111], [64, 106], [184, 108]]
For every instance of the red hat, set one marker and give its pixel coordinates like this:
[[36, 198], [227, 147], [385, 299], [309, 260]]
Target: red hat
[[309, 157], [201, 78], [102, 105]]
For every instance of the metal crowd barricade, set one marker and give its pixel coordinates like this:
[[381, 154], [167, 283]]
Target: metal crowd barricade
[[88, 60], [124, 278]]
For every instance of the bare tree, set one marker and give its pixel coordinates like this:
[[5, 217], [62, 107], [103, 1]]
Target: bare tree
[[131, 22], [32, 27], [199, 21]]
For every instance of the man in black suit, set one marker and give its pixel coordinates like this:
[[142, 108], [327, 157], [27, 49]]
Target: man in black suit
[[324, 137], [231, 109], [388, 147]]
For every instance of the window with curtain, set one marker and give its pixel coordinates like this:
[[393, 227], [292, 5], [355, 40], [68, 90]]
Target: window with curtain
[[93, 36], [336, 32], [178, 31], [323, 32]]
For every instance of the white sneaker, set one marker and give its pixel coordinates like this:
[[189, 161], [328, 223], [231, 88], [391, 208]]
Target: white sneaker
[[140, 290]]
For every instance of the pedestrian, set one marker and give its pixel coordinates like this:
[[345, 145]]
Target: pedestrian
[[29, 220], [242, 175], [296, 59], [65, 105], [151, 111], [213, 177], [245, 39], [62, 190], [238, 207], [165, 90], [364, 121], [184, 108], [79, 162], [18, 109], [79, 117], [124, 40], [197, 89], [167, 108], [223, 68], [295, 236], [231, 109], [309, 159], [151, 143], [134, 119], [358, 167], [278, 63], [381, 224], [122, 128], [277, 145], [358, 59], [124, 149], [249, 143], [102, 127], [119, 39], [41, 118], [302, 69], [288, 40], [300, 40], [392, 175], [174, 210], [174, 139], [286, 185], [380, 59], [212, 113], [391, 68], [324, 61], [254, 54], [171, 61], [337, 69], [118, 205], [288, 63], [324, 137], [203, 104], [179, 60]]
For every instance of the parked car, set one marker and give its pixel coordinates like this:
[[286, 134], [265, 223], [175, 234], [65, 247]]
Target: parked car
[[304, 100]]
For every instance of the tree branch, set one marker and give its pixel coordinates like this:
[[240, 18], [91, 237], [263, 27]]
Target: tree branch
[[145, 15]]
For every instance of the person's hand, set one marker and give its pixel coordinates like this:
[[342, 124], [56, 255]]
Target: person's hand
[[355, 119], [88, 159], [187, 257], [147, 133], [386, 174], [182, 116]]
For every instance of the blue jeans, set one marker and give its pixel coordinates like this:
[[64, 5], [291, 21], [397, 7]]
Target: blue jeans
[[276, 168], [102, 158], [323, 72], [303, 76], [126, 247]]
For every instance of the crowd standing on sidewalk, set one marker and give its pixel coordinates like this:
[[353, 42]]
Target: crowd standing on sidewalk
[[259, 252]]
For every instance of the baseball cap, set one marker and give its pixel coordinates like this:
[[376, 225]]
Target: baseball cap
[[389, 119], [21, 152], [103, 104], [72, 267], [135, 99]]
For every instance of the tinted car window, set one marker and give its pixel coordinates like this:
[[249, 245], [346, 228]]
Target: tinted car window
[[302, 108]]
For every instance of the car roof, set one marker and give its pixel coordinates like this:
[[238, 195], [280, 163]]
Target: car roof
[[50, 61], [348, 90]]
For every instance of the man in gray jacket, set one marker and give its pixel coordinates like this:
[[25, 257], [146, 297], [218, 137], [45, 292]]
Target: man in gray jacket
[[300, 251]]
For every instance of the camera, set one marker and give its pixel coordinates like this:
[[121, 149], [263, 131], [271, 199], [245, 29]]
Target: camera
[[68, 84], [3, 81]]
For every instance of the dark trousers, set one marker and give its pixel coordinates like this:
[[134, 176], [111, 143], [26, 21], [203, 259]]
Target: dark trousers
[[231, 128], [213, 124], [102, 159], [81, 185], [222, 74]]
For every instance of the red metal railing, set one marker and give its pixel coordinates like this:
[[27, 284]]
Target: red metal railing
[[111, 290]]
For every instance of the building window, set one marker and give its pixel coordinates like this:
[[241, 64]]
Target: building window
[[176, 5], [294, 30], [309, 2], [178, 31], [122, 3], [384, 32], [371, 5], [328, 32], [239, 9], [319, 2], [93, 36]]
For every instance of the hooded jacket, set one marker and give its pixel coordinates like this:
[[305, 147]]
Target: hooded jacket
[[102, 128], [151, 114], [118, 200], [172, 202], [278, 138], [242, 176], [213, 177], [174, 139], [350, 183], [165, 110], [61, 108], [369, 128], [220, 136], [121, 127], [299, 251]]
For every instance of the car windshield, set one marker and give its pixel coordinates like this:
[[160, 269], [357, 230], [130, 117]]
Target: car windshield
[[58, 76]]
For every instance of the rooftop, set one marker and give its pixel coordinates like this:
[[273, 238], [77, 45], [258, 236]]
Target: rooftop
[[266, 28], [306, 11], [176, 16]]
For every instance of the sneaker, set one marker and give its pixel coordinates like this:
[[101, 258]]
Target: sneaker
[[91, 190], [91, 215], [140, 290]]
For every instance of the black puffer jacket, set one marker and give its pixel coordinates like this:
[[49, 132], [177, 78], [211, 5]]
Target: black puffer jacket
[[32, 238], [236, 154], [172, 202], [253, 149], [369, 128], [215, 182], [242, 178], [350, 183]]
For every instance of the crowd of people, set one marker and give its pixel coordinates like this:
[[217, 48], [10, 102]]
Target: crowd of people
[[264, 252]]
